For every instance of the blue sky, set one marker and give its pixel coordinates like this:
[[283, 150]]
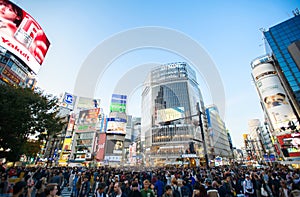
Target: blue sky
[[227, 30]]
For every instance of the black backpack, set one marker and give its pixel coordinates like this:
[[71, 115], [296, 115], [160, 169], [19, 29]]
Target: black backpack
[[176, 192]]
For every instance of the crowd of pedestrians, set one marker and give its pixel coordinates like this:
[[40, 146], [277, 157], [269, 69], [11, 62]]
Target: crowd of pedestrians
[[223, 181]]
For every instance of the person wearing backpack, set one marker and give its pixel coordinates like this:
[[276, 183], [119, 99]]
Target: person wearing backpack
[[248, 187]]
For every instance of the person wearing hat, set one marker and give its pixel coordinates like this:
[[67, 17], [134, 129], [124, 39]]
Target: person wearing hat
[[248, 186], [19, 189]]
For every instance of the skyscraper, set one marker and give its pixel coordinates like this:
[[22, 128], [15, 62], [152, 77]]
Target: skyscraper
[[169, 116], [283, 39], [219, 142]]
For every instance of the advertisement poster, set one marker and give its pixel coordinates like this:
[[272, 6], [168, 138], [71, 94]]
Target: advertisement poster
[[87, 103], [273, 96], [290, 144], [66, 150], [22, 35], [116, 126], [88, 116], [169, 114], [101, 147], [118, 103]]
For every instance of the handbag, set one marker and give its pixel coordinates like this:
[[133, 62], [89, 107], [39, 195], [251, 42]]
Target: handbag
[[263, 192]]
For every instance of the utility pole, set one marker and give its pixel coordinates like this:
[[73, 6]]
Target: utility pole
[[202, 135]]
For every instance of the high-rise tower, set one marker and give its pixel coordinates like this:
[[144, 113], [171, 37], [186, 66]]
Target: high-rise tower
[[284, 39], [170, 121]]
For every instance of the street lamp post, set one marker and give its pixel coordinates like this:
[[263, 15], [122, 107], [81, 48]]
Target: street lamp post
[[202, 135]]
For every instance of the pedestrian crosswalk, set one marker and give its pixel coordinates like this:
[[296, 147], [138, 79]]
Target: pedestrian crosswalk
[[67, 193]]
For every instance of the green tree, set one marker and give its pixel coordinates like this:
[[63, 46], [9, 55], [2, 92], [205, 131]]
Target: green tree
[[24, 113]]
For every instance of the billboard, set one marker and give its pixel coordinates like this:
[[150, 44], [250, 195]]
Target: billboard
[[116, 126], [101, 147], [114, 147], [68, 101], [88, 120], [169, 114], [66, 150], [290, 144], [118, 103], [22, 35], [273, 96], [89, 116], [70, 126], [87, 103]]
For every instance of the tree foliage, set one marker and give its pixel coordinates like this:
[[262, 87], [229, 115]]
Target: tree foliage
[[24, 113]]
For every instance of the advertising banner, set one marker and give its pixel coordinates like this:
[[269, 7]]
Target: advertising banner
[[70, 126], [22, 35], [290, 144], [118, 103], [114, 147], [87, 117], [68, 101], [87, 103], [273, 96], [169, 114], [116, 126], [66, 150], [101, 147], [132, 154]]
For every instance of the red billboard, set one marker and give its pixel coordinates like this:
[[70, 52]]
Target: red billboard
[[22, 35], [101, 147], [290, 144]]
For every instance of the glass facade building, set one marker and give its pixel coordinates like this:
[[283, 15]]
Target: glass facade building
[[219, 141], [280, 38], [169, 115]]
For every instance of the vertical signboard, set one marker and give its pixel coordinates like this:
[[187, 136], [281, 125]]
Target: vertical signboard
[[101, 147], [272, 95], [118, 103]]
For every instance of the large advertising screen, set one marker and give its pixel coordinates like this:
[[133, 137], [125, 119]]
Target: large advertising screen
[[290, 144], [169, 114], [88, 120], [88, 116], [116, 126], [87, 103], [274, 97], [22, 35]]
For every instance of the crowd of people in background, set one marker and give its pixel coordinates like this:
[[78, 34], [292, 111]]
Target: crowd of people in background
[[222, 181]]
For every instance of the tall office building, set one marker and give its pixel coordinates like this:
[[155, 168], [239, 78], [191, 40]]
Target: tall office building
[[283, 40], [255, 138], [170, 122], [219, 142], [279, 114]]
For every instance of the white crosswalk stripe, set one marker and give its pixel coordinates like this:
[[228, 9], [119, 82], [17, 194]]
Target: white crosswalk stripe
[[66, 193]]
